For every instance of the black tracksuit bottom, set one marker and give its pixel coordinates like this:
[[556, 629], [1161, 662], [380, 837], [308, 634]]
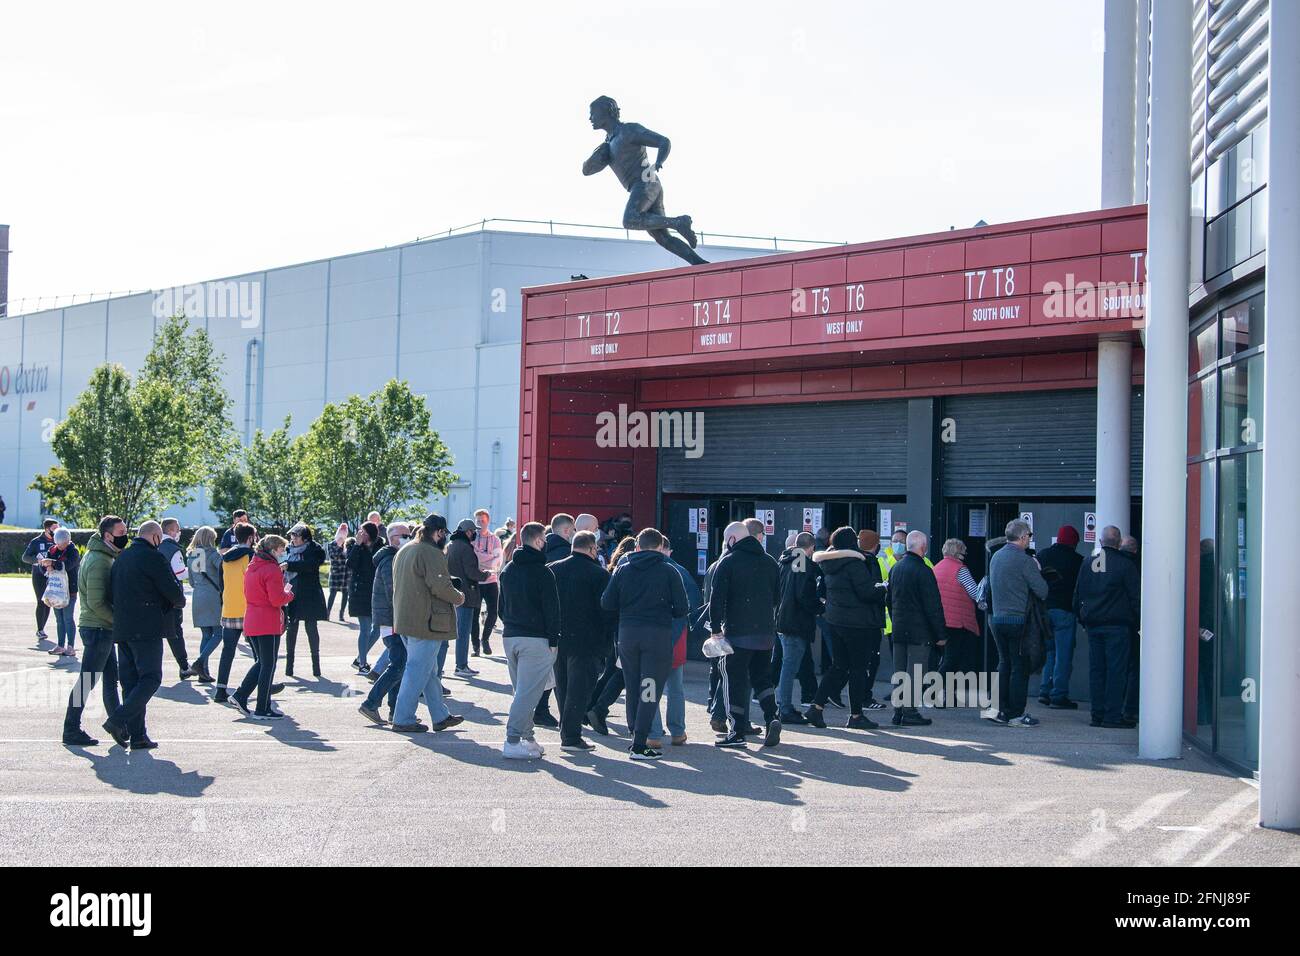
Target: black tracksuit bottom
[[647, 656], [743, 674], [575, 679]]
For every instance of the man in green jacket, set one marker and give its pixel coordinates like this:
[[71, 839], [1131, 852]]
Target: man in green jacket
[[96, 624]]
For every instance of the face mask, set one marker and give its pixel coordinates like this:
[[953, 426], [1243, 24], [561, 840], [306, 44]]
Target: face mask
[[899, 548], [120, 541]]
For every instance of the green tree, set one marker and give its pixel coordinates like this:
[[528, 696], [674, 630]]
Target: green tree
[[375, 452], [115, 449], [228, 491], [274, 478]]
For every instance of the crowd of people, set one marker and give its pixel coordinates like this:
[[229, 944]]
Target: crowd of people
[[589, 612]]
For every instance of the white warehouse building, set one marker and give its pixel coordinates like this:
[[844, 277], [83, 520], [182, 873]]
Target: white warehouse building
[[440, 313]]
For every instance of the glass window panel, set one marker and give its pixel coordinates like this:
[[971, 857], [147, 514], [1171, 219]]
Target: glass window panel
[[1241, 400], [1203, 348], [1243, 325], [1259, 222], [1200, 607], [1237, 640], [1202, 414], [1259, 156]]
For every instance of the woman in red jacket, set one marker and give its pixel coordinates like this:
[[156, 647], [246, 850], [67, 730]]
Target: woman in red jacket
[[267, 595]]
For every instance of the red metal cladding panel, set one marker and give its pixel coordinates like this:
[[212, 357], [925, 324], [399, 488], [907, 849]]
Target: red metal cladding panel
[[1124, 267], [653, 390], [1121, 300], [546, 330], [583, 448], [765, 335], [717, 285], [584, 350], [997, 313], [887, 324], [876, 378], [933, 374], [631, 296], [678, 315], [940, 257], [819, 272], [815, 329], [1054, 367], [624, 347], [874, 295], [542, 306], [722, 338], [1064, 273], [605, 472], [817, 300], [762, 308], [827, 380], [775, 278], [1067, 243], [545, 353], [627, 321], [992, 282], [997, 251], [777, 383], [584, 300], [690, 389], [874, 265], [572, 425], [924, 290], [720, 311], [581, 403], [933, 319], [731, 386], [1124, 235], [678, 289], [660, 344], [990, 371]]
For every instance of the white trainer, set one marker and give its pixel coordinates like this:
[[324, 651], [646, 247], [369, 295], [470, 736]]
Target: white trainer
[[519, 751]]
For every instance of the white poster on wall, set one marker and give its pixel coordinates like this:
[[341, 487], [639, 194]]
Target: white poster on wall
[[692, 520], [886, 522], [979, 523], [702, 540]]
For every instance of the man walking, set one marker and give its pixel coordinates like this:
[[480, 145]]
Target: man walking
[[423, 604], [796, 623], [916, 609], [1013, 576], [174, 623], [98, 662], [558, 547], [381, 610], [1107, 598], [143, 591], [530, 616], [742, 608], [585, 635], [35, 555], [646, 593], [466, 573], [489, 551], [1060, 563]]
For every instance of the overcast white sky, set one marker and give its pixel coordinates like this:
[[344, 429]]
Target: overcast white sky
[[149, 145]]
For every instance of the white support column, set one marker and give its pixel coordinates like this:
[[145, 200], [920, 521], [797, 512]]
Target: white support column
[[1164, 451], [1117, 91], [1279, 670], [1141, 106], [1114, 394]]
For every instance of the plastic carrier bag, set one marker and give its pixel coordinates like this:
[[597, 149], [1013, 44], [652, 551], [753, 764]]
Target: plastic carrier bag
[[56, 589]]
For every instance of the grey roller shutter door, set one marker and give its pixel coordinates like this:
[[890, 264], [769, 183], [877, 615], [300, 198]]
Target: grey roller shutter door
[[1029, 445], [832, 448]]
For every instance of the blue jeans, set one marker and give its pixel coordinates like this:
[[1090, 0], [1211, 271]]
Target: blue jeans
[[1060, 656], [385, 658], [793, 648], [1108, 649], [1013, 666], [464, 624], [210, 641], [65, 619], [675, 692], [420, 677], [366, 637], [388, 682], [98, 664]]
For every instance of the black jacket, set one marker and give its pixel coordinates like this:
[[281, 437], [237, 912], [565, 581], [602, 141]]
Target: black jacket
[[585, 629], [800, 603], [645, 591], [745, 593], [556, 548], [1108, 591], [463, 566], [361, 565], [530, 604], [1060, 571], [308, 602], [142, 589], [915, 608], [850, 577]]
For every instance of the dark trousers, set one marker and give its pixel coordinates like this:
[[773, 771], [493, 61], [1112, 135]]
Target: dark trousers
[[745, 674], [907, 657], [852, 649], [313, 643], [139, 668], [343, 604], [491, 594], [98, 663], [1013, 666], [806, 676], [42, 609], [961, 652], [261, 673], [1108, 671], [176, 640], [229, 642], [390, 680], [608, 687], [575, 679], [1131, 688], [647, 656]]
